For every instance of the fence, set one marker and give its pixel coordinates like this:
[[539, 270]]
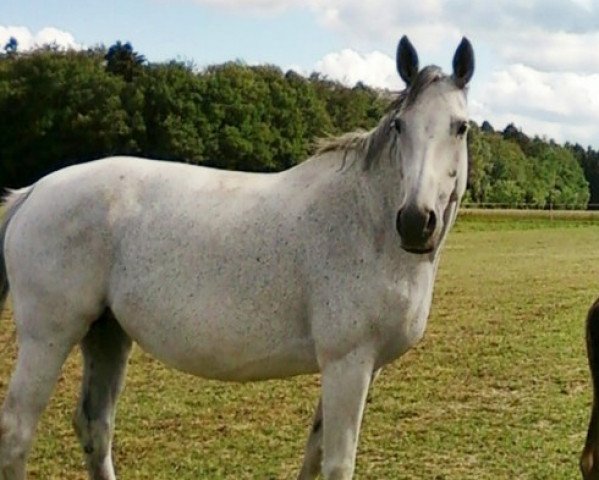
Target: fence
[[529, 206]]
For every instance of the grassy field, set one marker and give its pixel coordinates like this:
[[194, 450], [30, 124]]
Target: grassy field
[[498, 389]]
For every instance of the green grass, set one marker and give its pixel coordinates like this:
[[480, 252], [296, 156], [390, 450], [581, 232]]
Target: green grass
[[478, 219], [498, 389]]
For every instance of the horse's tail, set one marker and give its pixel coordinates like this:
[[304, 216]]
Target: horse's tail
[[589, 460], [12, 203]]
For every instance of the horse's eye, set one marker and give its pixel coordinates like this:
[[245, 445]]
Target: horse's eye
[[462, 129]]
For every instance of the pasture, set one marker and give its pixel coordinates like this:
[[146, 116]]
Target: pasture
[[498, 388]]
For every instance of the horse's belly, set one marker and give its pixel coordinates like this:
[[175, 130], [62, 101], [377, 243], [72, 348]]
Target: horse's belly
[[237, 344], [234, 361], [291, 357]]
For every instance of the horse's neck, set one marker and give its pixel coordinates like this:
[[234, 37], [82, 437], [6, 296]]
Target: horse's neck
[[376, 189], [383, 183]]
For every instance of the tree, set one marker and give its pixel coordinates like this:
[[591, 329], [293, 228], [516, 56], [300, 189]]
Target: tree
[[487, 127], [122, 60], [360, 107], [479, 164], [259, 119], [563, 178], [174, 126], [11, 46], [509, 172], [59, 108], [589, 161]]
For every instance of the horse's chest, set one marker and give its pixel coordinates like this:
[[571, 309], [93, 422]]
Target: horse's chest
[[404, 316]]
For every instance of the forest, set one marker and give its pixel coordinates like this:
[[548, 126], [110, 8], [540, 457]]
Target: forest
[[64, 107]]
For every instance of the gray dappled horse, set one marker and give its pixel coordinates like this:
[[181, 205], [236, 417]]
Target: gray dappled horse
[[327, 267]]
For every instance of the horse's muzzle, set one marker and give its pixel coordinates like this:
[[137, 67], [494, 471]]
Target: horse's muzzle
[[416, 228]]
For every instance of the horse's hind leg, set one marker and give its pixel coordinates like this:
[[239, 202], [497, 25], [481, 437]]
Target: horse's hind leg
[[313, 454], [42, 351], [106, 349]]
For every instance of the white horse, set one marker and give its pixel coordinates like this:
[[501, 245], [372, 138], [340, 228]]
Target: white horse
[[327, 267]]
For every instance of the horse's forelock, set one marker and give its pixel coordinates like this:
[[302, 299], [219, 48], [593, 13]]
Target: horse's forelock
[[426, 77]]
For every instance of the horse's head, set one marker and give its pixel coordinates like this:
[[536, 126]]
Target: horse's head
[[431, 124]]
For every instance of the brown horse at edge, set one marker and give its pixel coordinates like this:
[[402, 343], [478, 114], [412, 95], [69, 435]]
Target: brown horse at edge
[[589, 460]]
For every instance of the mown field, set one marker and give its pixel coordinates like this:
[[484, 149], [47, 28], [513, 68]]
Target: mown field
[[498, 389]]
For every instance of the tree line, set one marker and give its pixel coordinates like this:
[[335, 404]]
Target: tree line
[[64, 107], [510, 168]]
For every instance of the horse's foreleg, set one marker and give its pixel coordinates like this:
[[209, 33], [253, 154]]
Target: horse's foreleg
[[345, 385], [311, 466], [106, 349], [37, 369], [589, 460]]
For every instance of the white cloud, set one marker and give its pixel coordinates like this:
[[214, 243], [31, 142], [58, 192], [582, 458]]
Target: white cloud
[[586, 4], [377, 20], [553, 51], [544, 55], [556, 95], [255, 6], [28, 40], [365, 22], [51, 35], [561, 105], [349, 67]]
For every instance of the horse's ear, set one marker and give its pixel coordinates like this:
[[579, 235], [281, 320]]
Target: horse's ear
[[407, 61], [463, 63]]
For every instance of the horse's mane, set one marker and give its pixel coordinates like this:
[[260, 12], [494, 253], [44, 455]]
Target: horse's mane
[[370, 143]]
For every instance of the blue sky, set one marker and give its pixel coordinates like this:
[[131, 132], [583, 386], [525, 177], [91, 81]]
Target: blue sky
[[183, 29], [537, 61]]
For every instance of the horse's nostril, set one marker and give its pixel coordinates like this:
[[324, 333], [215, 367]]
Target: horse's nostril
[[398, 222], [431, 223]]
